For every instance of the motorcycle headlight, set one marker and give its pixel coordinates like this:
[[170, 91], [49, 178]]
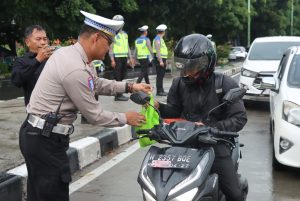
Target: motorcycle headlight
[[195, 175], [188, 196], [147, 180], [248, 73], [291, 113]]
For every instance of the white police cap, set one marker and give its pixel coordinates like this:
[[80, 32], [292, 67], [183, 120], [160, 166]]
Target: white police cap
[[108, 26], [118, 18], [161, 27], [209, 36], [143, 28]]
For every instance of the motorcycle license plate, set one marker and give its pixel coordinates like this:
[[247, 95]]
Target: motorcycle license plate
[[169, 161]]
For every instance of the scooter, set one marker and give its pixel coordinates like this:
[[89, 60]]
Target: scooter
[[181, 171]]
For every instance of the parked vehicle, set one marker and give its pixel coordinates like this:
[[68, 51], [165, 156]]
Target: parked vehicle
[[285, 109], [237, 52], [262, 61], [182, 170]]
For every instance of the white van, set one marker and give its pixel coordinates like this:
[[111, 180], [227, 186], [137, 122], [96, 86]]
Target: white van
[[262, 61]]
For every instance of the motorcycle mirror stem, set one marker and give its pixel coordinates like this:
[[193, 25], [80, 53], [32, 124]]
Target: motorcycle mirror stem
[[141, 98], [232, 96]]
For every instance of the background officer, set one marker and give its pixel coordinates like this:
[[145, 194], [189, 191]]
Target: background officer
[[143, 50], [209, 36], [120, 56], [160, 51], [27, 69], [68, 84]]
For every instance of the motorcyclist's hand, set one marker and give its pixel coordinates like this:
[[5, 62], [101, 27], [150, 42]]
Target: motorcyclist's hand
[[199, 123], [156, 104], [142, 87], [135, 118], [44, 53], [113, 63]]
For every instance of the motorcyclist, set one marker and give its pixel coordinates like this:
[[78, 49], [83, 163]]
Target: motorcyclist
[[193, 94]]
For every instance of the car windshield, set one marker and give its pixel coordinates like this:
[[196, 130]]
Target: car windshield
[[270, 50], [294, 73]]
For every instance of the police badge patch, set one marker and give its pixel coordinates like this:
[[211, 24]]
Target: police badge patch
[[91, 83]]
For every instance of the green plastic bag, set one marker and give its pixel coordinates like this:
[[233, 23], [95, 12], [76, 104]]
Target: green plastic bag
[[152, 118]]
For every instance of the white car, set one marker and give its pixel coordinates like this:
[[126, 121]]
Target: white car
[[237, 52], [262, 61], [285, 109]]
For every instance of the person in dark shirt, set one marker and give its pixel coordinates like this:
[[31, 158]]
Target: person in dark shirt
[[27, 69]]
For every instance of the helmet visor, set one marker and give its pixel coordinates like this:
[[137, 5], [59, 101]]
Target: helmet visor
[[190, 66]]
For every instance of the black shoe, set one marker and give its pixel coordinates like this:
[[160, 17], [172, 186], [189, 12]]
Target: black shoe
[[162, 93], [121, 98]]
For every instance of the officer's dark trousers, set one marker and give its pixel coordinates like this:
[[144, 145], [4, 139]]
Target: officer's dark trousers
[[160, 74], [144, 71], [47, 164], [228, 179], [121, 68]]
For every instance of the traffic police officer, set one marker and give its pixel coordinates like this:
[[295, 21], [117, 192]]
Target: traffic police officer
[[68, 85], [160, 51], [119, 54], [143, 50], [209, 36]]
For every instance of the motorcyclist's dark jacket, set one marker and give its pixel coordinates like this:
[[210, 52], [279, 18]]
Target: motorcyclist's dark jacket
[[25, 73], [194, 102]]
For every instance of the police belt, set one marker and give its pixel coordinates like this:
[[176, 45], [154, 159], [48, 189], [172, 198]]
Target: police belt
[[38, 122]]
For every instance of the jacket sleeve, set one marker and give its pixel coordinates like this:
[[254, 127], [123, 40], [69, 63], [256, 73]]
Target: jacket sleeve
[[235, 113], [83, 96], [23, 69], [172, 109]]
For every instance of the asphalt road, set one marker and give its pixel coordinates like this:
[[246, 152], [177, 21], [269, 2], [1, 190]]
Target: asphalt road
[[119, 183]]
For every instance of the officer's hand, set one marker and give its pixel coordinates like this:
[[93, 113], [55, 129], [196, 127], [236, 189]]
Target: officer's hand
[[156, 104], [113, 63], [161, 63], [135, 118], [44, 53], [199, 123], [142, 87]]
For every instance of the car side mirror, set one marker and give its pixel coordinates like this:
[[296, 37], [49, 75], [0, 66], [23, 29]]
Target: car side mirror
[[265, 83], [234, 95]]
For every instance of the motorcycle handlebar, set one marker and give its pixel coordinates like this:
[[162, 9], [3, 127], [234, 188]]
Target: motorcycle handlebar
[[143, 131], [224, 133]]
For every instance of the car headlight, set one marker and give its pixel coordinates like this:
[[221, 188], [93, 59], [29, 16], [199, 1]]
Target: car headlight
[[291, 113], [248, 73]]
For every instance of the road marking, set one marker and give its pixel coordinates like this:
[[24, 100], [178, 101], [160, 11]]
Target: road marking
[[103, 168], [233, 76]]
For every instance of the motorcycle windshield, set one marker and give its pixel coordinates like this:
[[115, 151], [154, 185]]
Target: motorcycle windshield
[[183, 132]]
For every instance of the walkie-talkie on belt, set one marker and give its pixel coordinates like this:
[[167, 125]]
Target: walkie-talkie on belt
[[51, 120]]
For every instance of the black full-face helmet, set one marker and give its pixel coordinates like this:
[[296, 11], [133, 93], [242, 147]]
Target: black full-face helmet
[[195, 57]]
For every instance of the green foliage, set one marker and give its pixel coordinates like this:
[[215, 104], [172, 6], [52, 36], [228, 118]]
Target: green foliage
[[223, 51], [225, 20], [3, 68]]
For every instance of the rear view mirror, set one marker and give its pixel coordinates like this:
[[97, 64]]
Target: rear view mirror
[[140, 98], [265, 83], [234, 95]]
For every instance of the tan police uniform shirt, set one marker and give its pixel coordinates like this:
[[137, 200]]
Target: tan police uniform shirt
[[68, 74]]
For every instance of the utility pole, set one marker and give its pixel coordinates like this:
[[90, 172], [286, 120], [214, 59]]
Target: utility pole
[[292, 18], [249, 25]]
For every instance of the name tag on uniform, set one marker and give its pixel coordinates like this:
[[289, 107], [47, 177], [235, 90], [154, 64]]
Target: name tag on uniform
[[91, 83]]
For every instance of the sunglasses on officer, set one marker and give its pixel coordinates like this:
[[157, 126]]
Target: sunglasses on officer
[[106, 37]]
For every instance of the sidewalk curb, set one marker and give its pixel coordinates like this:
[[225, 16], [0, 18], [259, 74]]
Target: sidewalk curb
[[81, 153]]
